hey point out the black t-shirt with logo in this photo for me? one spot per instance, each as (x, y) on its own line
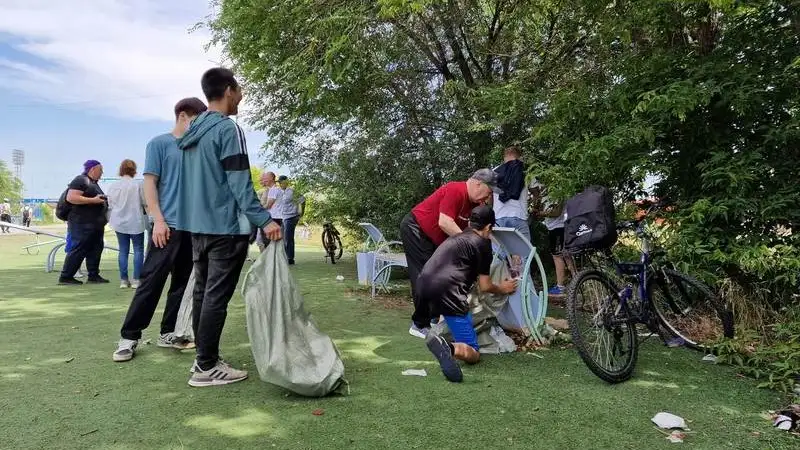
(87, 214)
(449, 275)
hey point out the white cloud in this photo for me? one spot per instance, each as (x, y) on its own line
(129, 59)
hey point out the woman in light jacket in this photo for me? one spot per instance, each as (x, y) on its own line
(126, 216)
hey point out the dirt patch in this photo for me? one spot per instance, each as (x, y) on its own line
(396, 302)
(386, 301)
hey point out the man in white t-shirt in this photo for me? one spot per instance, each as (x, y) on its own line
(290, 208)
(269, 200)
(27, 213)
(5, 214)
(511, 205)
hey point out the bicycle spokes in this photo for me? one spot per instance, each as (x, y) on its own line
(690, 310)
(606, 327)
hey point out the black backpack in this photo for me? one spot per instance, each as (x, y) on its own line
(590, 220)
(63, 207)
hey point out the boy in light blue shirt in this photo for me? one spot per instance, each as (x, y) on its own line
(169, 250)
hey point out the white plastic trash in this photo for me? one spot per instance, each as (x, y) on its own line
(415, 372)
(183, 326)
(504, 343)
(783, 423)
(668, 421)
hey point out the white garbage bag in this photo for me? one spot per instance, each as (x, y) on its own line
(288, 348)
(183, 326)
(504, 343)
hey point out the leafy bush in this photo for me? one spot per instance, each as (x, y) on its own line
(772, 358)
(48, 215)
(382, 102)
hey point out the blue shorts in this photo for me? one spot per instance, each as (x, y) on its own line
(462, 331)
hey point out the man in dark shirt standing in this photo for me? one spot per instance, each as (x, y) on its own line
(86, 224)
(447, 279)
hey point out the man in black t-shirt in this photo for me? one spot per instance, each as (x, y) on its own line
(86, 224)
(445, 283)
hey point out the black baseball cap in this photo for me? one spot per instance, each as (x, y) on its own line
(481, 216)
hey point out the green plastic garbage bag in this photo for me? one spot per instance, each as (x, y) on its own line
(288, 348)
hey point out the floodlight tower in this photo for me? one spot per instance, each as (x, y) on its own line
(18, 159)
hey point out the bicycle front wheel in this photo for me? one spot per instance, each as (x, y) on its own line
(689, 309)
(603, 331)
(325, 239)
(339, 246)
(329, 245)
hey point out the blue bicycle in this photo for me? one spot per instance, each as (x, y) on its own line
(607, 301)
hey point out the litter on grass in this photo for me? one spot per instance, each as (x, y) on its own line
(676, 436)
(339, 278)
(783, 422)
(669, 421)
(710, 358)
(415, 372)
(787, 419)
(558, 324)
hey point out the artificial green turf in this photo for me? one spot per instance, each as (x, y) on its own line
(510, 401)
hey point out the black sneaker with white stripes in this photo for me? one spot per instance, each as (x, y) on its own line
(220, 374)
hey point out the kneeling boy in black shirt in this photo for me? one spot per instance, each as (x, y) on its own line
(447, 279)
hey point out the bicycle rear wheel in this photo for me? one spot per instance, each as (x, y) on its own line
(603, 331)
(689, 309)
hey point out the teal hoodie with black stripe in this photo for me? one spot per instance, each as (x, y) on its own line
(216, 194)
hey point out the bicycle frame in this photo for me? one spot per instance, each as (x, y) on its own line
(639, 304)
(642, 272)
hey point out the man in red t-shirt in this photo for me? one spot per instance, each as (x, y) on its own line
(444, 213)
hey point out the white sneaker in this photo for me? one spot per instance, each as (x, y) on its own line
(218, 375)
(135, 284)
(125, 350)
(124, 284)
(415, 331)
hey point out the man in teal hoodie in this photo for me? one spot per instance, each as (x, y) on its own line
(217, 204)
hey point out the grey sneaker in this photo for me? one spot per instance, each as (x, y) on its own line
(416, 331)
(195, 368)
(218, 375)
(169, 340)
(450, 368)
(125, 350)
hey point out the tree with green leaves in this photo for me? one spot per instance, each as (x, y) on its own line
(10, 186)
(378, 102)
